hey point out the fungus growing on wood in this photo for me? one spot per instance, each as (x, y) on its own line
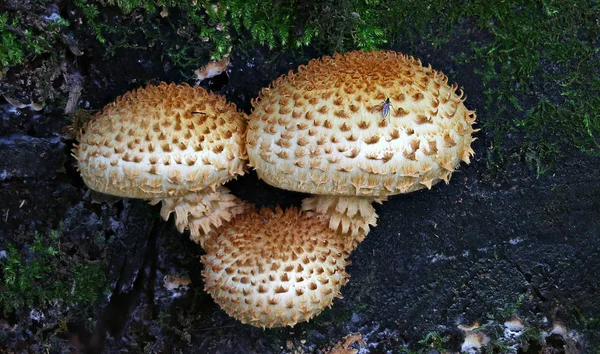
(171, 143)
(356, 128)
(275, 268)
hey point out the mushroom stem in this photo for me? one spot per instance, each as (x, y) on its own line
(351, 216)
(202, 212)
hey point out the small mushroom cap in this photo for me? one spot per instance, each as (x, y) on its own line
(162, 141)
(359, 124)
(275, 268)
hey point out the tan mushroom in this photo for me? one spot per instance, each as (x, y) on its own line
(275, 268)
(356, 128)
(171, 143)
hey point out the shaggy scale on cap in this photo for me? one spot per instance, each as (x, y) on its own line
(202, 213)
(275, 268)
(165, 142)
(364, 125)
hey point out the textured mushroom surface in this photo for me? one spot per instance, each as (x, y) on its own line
(275, 268)
(359, 124)
(356, 128)
(348, 215)
(171, 143)
(162, 141)
(202, 212)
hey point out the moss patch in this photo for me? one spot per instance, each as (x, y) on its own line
(43, 275)
(22, 40)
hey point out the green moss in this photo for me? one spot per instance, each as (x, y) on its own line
(218, 26)
(434, 340)
(24, 36)
(25, 277)
(538, 64)
(11, 51)
(41, 275)
(541, 68)
(91, 13)
(21, 40)
(89, 283)
(530, 336)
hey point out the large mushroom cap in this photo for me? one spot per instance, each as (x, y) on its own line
(359, 124)
(273, 269)
(162, 141)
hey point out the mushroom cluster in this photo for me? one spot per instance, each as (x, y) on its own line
(171, 143)
(350, 129)
(356, 128)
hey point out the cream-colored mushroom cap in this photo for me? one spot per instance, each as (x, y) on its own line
(173, 144)
(275, 268)
(162, 141)
(356, 128)
(329, 130)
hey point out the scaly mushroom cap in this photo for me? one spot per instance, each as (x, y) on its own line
(162, 141)
(274, 269)
(329, 129)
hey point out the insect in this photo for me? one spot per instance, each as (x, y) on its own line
(198, 113)
(385, 107)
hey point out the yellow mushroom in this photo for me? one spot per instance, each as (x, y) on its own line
(171, 143)
(356, 128)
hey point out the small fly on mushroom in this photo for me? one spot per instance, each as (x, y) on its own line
(385, 107)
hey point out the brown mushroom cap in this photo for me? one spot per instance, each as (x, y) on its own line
(275, 268)
(162, 141)
(329, 130)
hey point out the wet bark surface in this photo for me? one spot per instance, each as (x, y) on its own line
(490, 245)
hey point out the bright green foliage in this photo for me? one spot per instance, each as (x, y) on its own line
(40, 276)
(273, 23)
(19, 41)
(11, 52)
